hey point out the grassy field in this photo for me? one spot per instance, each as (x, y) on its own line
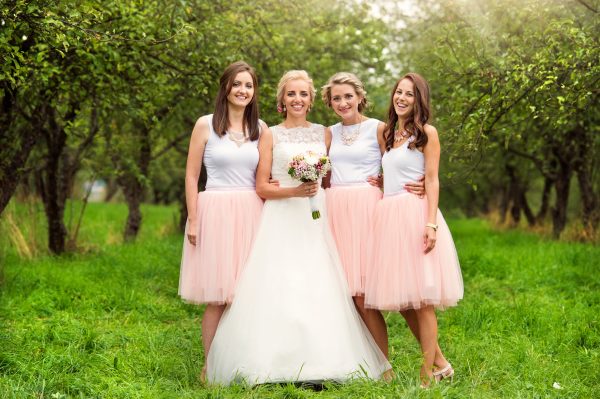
(108, 322)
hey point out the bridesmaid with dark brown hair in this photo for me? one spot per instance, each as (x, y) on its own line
(416, 268)
(222, 220)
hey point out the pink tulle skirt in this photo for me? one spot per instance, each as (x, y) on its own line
(403, 276)
(351, 211)
(227, 222)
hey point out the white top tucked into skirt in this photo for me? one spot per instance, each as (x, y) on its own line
(401, 165)
(355, 162)
(227, 164)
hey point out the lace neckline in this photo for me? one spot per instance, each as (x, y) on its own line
(314, 133)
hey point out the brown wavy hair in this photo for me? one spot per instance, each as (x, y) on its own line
(415, 123)
(220, 119)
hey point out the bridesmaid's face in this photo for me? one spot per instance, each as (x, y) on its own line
(404, 98)
(296, 98)
(242, 90)
(345, 101)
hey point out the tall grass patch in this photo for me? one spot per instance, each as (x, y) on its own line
(108, 322)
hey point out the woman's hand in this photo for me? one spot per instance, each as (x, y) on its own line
(308, 189)
(429, 238)
(416, 187)
(375, 181)
(192, 229)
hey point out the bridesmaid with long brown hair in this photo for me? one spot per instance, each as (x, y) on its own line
(222, 220)
(416, 268)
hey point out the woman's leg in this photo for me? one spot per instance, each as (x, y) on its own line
(210, 321)
(427, 322)
(375, 323)
(410, 316)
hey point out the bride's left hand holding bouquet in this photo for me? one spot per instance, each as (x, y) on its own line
(309, 167)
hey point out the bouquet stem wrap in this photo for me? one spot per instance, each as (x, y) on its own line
(309, 167)
(314, 208)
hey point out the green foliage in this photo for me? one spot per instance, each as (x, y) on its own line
(109, 323)
(514, 86)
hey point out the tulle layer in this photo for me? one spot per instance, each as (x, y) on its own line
(403, 276)
(292, 318)
(227, 223)
(351, 213)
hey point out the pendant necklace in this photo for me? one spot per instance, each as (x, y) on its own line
(350, 138)
(239, 138)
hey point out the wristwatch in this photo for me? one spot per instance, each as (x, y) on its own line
(433, 226)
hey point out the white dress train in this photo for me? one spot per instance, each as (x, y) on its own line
(292, 318)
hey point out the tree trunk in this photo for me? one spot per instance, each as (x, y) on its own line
(132, 184)
(51, 185)
(12, 169)
(133, 191)
(504, 203)
(590, 214)
(526, 208)
(584, 167)
(559, 212)
(112, 187)
(545, 205)
(20, 142)
(513, 194)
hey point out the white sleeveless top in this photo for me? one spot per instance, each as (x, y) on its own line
(352, 164)
(227, 165)
(400, 166)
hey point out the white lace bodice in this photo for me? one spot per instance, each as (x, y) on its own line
(288, 143)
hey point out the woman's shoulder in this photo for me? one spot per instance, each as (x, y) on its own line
(430, 131)
(204, 119)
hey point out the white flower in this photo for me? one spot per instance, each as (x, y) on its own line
(556, 385)
(312, 159)
(24, 37)
(3, 22)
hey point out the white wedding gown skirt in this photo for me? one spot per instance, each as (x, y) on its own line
(292, 317)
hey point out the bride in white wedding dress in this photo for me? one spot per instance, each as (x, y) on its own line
(292, 317)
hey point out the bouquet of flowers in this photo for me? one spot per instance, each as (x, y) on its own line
(307, 167)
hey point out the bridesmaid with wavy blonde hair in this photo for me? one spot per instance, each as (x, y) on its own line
(355, 145)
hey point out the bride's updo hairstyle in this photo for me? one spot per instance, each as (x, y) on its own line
(288, 77)
(345, 78)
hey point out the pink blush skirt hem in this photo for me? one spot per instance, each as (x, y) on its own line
(403, 276)
(227, 223)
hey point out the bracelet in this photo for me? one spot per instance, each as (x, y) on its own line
(433, 226)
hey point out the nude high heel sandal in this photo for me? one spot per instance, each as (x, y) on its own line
(444, 373)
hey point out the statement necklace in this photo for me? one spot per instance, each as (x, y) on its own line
(398, 137)
(239, 138)
(350, 138)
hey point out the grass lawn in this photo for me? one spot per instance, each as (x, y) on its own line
(108, 322)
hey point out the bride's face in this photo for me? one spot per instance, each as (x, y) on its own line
(296, 98)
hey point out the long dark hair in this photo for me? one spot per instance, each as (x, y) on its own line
(220, 119)
(415, 123)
